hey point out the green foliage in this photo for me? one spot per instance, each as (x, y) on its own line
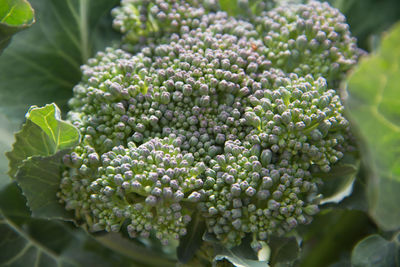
(15, 15)
(367, 24)
(26, 240)
(191, 242)
(373, 105)
(35, 160)
(374, 250)
(43, 134)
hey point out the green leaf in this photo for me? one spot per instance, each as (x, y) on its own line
(35, 161)
(144, 256)
(374, 107)
(42, 64)
(46, 243)
(39, 178)
(284, 251)
(375, 251)
(15, 15)
(7, 130)
(43, 134)
(230, 6)
(365, 23)
(338, 183)
(62, 134)
(191, 242)
(332, 234)
(238, 260)
(240, 256)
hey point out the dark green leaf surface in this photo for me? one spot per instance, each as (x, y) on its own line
(39, 179)
(191, 242)
(15, 15)
(284, 251)
(43, 134)
(338, 183)
(375, 251)
(42, 64)
(368, 18)
(144, 256)
(331, 234)
(374, 106)
(36, 242)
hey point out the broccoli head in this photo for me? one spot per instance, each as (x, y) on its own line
(219, 116)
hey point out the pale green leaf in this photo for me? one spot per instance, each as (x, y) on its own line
(7, 130)
(15, 15)
(43, 134)
(62, 134)
(240, 256)
(374, 107)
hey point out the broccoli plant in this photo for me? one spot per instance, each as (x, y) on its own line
(203, 133)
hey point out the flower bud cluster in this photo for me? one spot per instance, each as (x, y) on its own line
(219, 115)
(143, 186)
(311, 38)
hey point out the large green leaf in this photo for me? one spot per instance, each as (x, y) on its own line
(15, 15)
(331, 234)
(39, 179)
(374, 106)
(42, 64)
(44, 243)
(191, 242)
(284, 251)
(43, 134)
(35, 160)
(146, 256)
(375, 251)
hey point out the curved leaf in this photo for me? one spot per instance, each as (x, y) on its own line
(338, 183)
(374, 106)
(240, 256)
(43, 134)
(15, 15)
(375, 251)
(39, 179)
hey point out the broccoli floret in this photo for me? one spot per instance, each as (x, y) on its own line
(218, 116)
(249, 192)
(309, 38)
(144, 21)
(143, 186)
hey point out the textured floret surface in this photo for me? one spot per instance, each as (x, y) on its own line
(211, 118)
